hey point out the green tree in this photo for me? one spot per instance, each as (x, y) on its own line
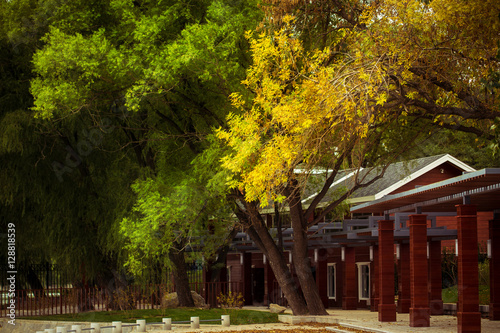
(161, 73)
(57, 179)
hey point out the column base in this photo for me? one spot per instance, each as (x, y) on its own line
(374, 304)
(436, 306)
(404, 305)
(349, 303)
(469, 322)
(387, 312)
(420, 317)
(494, 311)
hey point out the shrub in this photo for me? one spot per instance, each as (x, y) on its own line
(449, 268)
(230, 300)
(123, 299)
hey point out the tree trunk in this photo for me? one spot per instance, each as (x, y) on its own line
(33, 280)
(279, 225)
(301, 258)
(216, 267)
(281, 271)
(259, 233)
(181, 279)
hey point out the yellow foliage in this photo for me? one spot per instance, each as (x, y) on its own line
(310, 106)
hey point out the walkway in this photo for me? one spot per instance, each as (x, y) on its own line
(369, 320)
(359, 318)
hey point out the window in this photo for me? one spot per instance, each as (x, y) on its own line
(363, 280)
(331, 289)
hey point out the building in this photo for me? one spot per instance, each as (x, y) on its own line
(406, 217)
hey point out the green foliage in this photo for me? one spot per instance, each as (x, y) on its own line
(450, 295)
(71, 149)
(73, 69)
(143, 56)
(468, 148)
(484, 273)
(449, 271)
(449, 267)
(172, 209)
(484, 294)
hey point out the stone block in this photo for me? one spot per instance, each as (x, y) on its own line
(275, 308)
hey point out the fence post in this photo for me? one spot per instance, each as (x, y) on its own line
(61, 298)
(195, 322)
(96, 327)
(167, 324)
(61, 329)
(225, 320)
(117, 327)
(77, 328)
(141, 325)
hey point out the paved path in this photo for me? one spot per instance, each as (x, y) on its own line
(360, 318)
(439, 324)
(368, 319)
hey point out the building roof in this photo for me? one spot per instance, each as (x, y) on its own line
(396, 176)
(481, 188)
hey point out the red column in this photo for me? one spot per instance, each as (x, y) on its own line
(386, 306)
(468, 315)
(404, 292)
(374, 297)
(322, 275)
(495, 269)
(270, 284)
(350, 299)
(247, 278)
(419, 309)
(206, 278)
(435, 278)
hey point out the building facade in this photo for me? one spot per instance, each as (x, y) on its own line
(399, 227)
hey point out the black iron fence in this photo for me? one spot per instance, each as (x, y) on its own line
(40, 302)
(40, 276)
(45, 290)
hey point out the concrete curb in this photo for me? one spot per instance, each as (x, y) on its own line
(294, 320)
(368, 329)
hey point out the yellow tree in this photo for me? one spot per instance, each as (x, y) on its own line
(441, 56)
(305, 115)
(385, 67)
(441, 59)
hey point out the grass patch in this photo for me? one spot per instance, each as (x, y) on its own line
(450, 295)
(238, 317)
(484, 294)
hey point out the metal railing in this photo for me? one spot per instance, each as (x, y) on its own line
(139, 326)
(76, 300)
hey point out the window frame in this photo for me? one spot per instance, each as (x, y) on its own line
(328, 283)
(360, 281)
